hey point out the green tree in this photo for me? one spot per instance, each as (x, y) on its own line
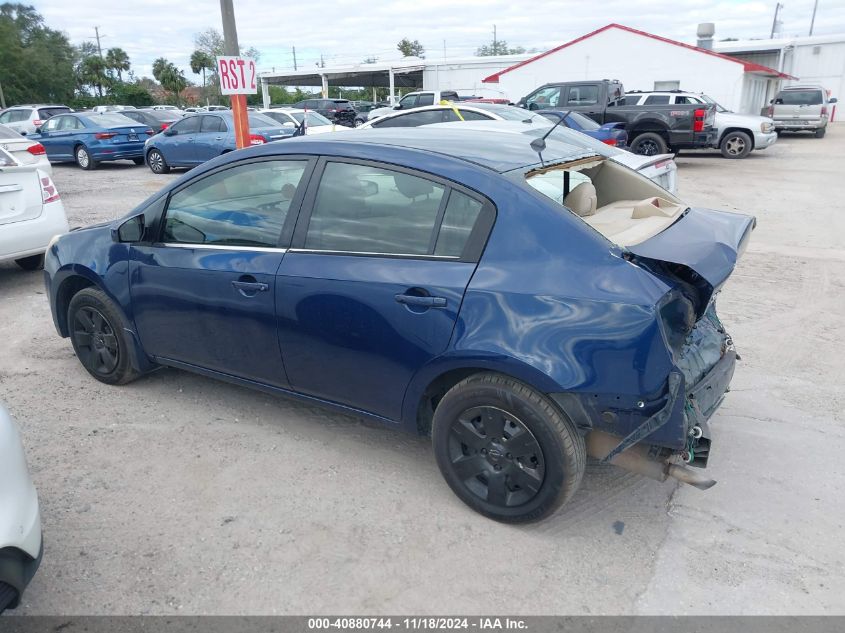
(134, 94)
(171, 78)
(201, 61)
(211, 42)
(410, 49)
(498, 47)
(117, 61)
(92, 72)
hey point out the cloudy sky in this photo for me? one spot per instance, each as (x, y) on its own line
(348, 31)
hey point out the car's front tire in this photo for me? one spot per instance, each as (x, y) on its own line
(505, 449)
(735, 145)
(155, 159)
(98, 335)
(83, 158)
(33, 262)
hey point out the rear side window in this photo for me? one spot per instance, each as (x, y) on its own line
(413, 119)
(46, 113)
(800, 97)
(425, 100)
(19, 115)
(244, 205)
(458, 221)
(582, 95)
(212, 124)
(657, 100)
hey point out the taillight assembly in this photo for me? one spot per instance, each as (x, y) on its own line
(49, 193)
(38, 122)
(698, 123)
(771, 111)
(36, 150)
(102, 136)
(610, 141)
(824, 110)
(255, 139)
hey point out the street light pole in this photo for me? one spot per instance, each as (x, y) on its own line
(778, 7)
(230, 47)
(813, 19)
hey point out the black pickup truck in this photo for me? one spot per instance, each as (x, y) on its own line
(652, 129)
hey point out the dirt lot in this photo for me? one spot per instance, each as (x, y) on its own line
(178, 494)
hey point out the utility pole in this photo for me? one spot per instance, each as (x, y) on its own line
(97, 32)
(294, 58)
(495, 46)
(444, 50)
(778, 7)
(322, 61)
(2, 98)
(231, 47)
(813, 20)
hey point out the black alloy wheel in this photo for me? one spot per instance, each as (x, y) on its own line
(96, 342)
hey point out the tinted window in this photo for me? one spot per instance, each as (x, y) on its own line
(242, 206)
(544, 98)
(461, 215)
(409, 102)
(450, 115)
(212, 124)
(630, 100)
(5, 117)
(362, 209)
(46, 113)
(425, 100)
(135, 116)
(657, 100)
(19, 115)
(412, 119)
(681, 99)
(187, 126)
(800, 97)
(69, 123)
(582, 95)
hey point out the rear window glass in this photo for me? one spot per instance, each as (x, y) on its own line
(261, 120)
(46, 113)
(657, 100)
(583, 122)
(800, 97)
(111, 119)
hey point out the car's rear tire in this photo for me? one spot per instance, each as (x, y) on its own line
(83, 158)
(735, 144)
(820, 132)
(505, 449)
(33, 262)
(138, 161)
(98, 335)
(649, 144)
(155, 159)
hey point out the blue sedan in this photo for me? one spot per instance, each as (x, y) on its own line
(612, 134)
(200, 137)
(89, 138)
(512, 293)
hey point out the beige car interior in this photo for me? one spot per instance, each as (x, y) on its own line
(624, 206)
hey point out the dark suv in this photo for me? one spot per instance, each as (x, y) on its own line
(338, 111)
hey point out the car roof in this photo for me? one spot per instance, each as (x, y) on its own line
(501, 146)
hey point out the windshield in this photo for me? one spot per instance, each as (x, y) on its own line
(261, 120)
(583, 122)
(314, 118)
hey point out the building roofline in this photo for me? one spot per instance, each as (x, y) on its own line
(747, 66)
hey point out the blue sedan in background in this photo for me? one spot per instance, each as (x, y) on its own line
(612, 134)
(200, 137)
(513, 293)
(90, 138)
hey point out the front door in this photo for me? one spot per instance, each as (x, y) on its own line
(211, 139)
(178, 146)
(203, 291)
(372, 288)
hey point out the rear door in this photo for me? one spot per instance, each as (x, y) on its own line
(56, 137)
(203, 287)
(371, 289)
(584, 98)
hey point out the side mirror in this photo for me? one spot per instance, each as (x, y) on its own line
(771, 101)
(832, 100)
(130, 231)
(170, 132)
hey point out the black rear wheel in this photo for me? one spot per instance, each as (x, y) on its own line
(649, 144)
(505, 449)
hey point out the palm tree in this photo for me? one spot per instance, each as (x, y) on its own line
(171, 78)
(200, 62)
(92, 72)
(117, 60)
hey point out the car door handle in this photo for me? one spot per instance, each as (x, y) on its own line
(218, 138)
(427, 302)
(250, 288)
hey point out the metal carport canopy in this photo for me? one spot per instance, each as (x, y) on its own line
(364, 75)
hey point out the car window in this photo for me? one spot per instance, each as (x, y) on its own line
(409, 101)
(245, 205)
(412, 119)
(426, 99)
(5, 117)
(46, 113)
(135, 116)
(470, 115)
(52, 124)
(458, 221)
(363, 209)
(547, 97)
(582, 121)
(657, 100)
(684, 100)
(187, 126)
(582, 95)
(630, 100)
(212, 124)
(799, 97)
(20, 115)
(69, 123)
(314, 118)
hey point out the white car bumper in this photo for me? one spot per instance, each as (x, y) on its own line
(763, 140)
(30, 237)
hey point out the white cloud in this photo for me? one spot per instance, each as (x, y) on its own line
(347, 31)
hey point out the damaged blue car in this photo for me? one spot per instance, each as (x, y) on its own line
(505, 289)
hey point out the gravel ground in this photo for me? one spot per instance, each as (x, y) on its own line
(179, 494)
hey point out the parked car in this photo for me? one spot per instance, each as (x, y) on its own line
(194, 110)
(362, 111)
(20, 521)
(315, 123)
(28, 119)
(415, 100)
(797, 108)
(158, 120)
(736, 134)
(426, 279)
(102, 109)
(338, 111)
(31, 213)
(652, 129)
(90, 139)
(171, 108)
(661, 167)
(198, 138)
(25, 150)
(612, 134)
(215, 108)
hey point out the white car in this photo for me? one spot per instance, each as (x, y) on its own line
(31, 213)
(101, 109)
(413, 100)
(20, 518)
(24, 150)
(316, 123)
(28, 119)
(660, 168)
(736, 134)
